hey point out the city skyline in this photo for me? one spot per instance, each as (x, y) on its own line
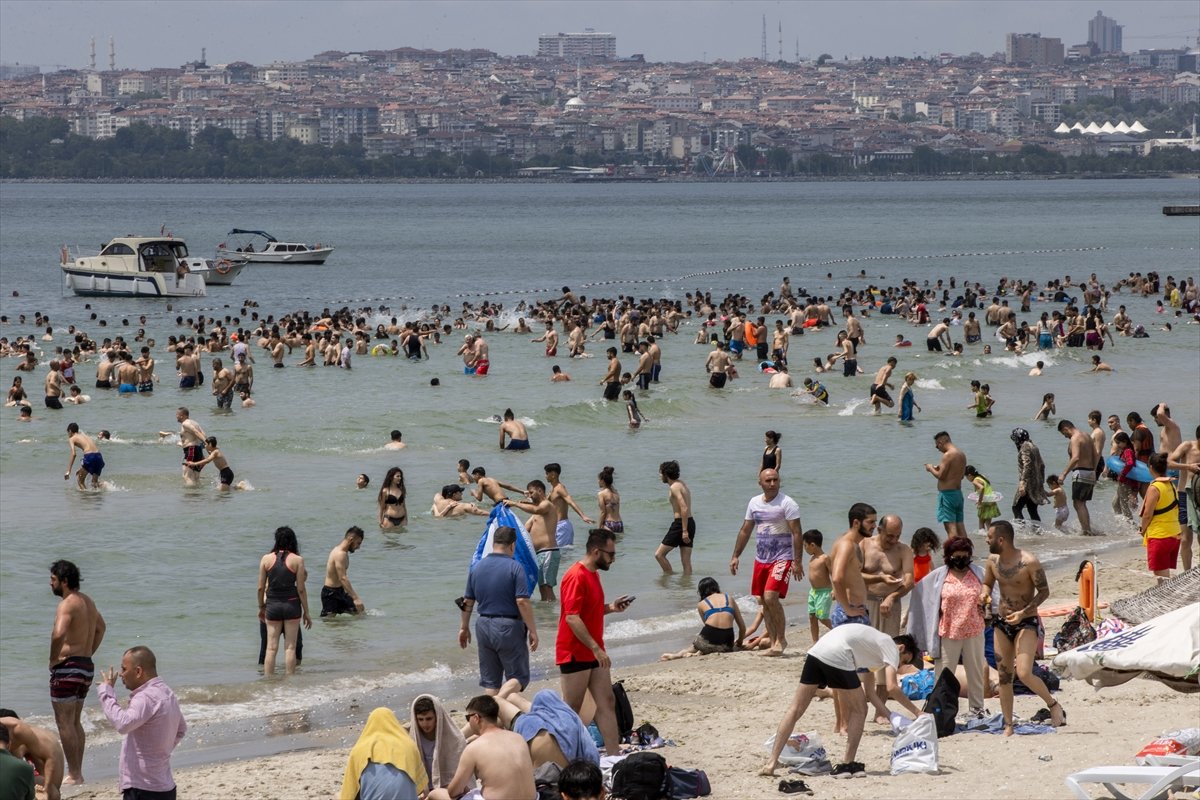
(56, 35)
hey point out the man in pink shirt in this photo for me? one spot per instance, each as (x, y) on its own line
(152, 725)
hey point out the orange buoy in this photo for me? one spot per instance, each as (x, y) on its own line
(1087, 589)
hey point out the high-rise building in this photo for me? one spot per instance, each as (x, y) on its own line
(1104, 33)
(574, 46)
(1033, 48)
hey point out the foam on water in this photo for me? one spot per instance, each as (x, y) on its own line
(848, 409)
(930, 384)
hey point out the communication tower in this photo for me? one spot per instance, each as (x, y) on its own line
(781, 41)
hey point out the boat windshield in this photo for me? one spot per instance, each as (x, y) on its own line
(117, 249)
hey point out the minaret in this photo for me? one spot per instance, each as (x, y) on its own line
(112, 55)
(93, 58)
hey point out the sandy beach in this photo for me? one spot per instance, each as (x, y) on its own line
(721, 709)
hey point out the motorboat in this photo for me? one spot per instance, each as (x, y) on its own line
(217, 271)
(133, 266)
(270, 250)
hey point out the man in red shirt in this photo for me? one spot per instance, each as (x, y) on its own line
(579, 649)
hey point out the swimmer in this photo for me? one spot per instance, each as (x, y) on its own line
(93, 462)
(395, 443)
(247, 400)
(77, 396)
(557, 375)
(1037, 369)
(1099, 366)
(817, 390)
(449, 503)
(362, 481)
(632, 411)
(514, 431)
(901, 341)
(218, 460)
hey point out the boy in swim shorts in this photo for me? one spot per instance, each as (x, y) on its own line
(820, 596)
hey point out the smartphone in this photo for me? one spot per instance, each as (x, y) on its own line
(630, 598)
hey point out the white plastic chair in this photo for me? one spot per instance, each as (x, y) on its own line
(1160, 779)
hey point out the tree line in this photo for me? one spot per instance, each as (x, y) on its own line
(44, 148)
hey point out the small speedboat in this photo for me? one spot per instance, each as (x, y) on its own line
(217, 271)
(270, 250)
(133, 266)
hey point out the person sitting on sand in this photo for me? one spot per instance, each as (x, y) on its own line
(498, 758)
(719, 614)
(440, 741)
(554, 732)
(384, 762)
(449, 503)
(39, 747)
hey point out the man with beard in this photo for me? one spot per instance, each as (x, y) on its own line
(77, 633)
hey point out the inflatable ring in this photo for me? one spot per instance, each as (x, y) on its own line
(380, 350)
(224, 266)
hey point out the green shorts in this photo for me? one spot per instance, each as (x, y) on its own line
(820, 601)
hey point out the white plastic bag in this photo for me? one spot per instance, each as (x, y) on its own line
(801, 749)
(915, 749)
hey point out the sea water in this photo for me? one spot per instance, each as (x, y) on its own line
(174, 568)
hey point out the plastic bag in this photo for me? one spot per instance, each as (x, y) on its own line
(1184, 742)
(915, 749)
(801, 749)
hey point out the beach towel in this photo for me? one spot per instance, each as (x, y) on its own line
(383, 741)
(448, 746)
(995, 724)
(501, 516)
(548, 712)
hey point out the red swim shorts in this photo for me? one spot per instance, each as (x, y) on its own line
(771, 578)
(1162, 553)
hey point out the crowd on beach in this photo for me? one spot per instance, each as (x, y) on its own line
(865, 642)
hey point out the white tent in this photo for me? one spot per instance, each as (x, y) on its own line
(1078, 126)
(1092, 128)
(1122, 127)
(1062, 128)
(1166, 648)
(1137, 127)
(1107, 127)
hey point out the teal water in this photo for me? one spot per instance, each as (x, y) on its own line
(175, 568)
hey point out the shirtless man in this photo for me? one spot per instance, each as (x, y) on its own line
(850, 593)
(888, 572)
(564, 532)
(550, 337)
(541, 526)
(310, 351)
(645, 366)
(395, 441)
(104, 370)
(1023, 588)
(612, 376)
(482, 364)
(655, 358)
(222, 384)
(683, 527)
(449, 503)
(54, 386)
(879, 390)
(854, 329)
(514, 430)
(337, 595)
(188, 365)
(216, 458)
(92, 462)
(76, 636)
(128, 374)
(499, 759)
(491, 487)
(717, 366)
(1186, 459)
(949, 473)
(191, 439)
(1097, 436)
(38, 746)
(937, 335)
(1082, 461)
(1169, 435)
(243, 374)
(145, 366)
(278, 349)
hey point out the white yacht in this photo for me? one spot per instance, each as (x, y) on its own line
(133, 266)
(272, 251)
(218, 271)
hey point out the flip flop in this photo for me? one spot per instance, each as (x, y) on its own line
(794, 787)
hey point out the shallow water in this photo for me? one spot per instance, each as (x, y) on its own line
(174, 567)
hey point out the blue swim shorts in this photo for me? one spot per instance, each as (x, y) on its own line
(950, 505)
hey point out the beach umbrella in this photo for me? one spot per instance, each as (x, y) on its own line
(1166, 648)
(502, 515)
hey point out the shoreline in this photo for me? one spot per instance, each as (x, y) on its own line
(740, 692)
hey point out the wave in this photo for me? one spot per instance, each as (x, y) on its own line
(930, 384)
(848, 410)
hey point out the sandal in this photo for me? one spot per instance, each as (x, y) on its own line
(794, 787)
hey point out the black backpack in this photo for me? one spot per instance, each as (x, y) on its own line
(640, 776)
(943, 703)
(624, 712)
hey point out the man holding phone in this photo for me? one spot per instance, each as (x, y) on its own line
(579, 649)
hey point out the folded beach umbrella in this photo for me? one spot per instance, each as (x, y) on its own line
(501, 516)
(1166, 648)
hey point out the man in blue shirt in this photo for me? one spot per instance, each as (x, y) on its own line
(498, 586)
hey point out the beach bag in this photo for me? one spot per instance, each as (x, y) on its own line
(1076, 631)
(684, 784)
(624, 711)
(640, 776)
(943, 703)
(915, 749)
(545, 779)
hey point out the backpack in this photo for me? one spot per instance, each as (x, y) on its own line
(640, 776)
(943, 703)
(624, 712)
(684, 784)
(1076, 631)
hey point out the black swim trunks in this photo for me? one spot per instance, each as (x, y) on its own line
(817, 673)
(53, 402)
(881, 392)
(573, 666)
(336, 600)
(612, 390)
(933, 344)
(193, 452)
(226, 477)
(103, 384)
(717, 380)
(674, 537)
(1010, 631)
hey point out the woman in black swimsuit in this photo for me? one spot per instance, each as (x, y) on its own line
(282, 598)
(719, 615)
(392, 511)
(772, 457)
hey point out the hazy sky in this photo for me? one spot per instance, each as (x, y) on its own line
(152, 34)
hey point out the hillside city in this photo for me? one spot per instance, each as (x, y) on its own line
(577, 102)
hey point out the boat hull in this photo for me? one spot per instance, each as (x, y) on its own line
(309, 257)
(86, 283)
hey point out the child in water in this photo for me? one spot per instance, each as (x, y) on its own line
(986, 507)
(631, 408)
(1047, 407)
(1061, 510)
(907, 399)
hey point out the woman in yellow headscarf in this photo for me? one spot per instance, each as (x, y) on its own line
(384, 763)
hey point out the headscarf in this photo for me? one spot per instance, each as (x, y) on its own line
(383, 741)
(1019, 436)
